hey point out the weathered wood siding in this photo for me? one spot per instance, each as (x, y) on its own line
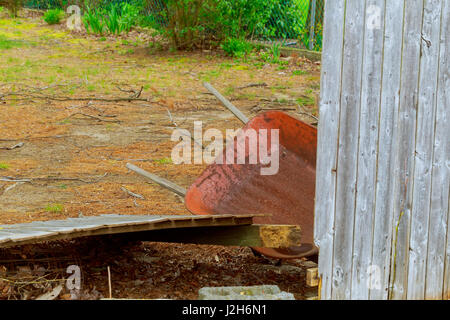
(383, 168)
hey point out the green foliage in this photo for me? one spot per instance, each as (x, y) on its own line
(53, 16)
(114, 18)
(236, 47)
(275, 51)
(13, 6)
(93, 21)
(198, 23)
(129, 17)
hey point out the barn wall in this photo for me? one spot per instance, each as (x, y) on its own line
(383, 168)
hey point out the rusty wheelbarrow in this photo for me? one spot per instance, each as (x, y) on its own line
(287, 197)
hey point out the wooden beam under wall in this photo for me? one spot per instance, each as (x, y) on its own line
(268, 236)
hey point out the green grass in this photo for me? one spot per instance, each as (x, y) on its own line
(299, 72)
(55, 207)
(4, 166)
(307, 100)
(163, 161)
(6, 43)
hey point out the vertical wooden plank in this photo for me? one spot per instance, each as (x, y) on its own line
(348, 148)
(327, 139)
(438, 247)
(446, 294)
(381, 247)
(367, 148)
(429, 61)
(405, 147)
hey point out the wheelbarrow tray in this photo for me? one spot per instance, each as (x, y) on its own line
(287, 196)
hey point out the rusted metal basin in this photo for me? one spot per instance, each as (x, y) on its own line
(288, 195)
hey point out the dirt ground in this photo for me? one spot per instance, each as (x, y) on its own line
(75, 108)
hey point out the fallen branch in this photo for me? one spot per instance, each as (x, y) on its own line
(19, 145)
(92, 117)
(252, 85)
(136, 195)
(12, 179)
(28, 96)
(307, 113)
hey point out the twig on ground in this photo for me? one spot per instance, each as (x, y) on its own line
(171, 119)
(252, 85)
(21, 96)
(136, 195)
(93, 117)
(135, 93)
(306, 113)
(19, 145)
(30, 180)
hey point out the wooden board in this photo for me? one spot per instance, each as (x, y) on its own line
(328, 138)
(267, 236)
(38, 231)
(382, 195)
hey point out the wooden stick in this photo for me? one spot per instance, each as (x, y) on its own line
(161, 181)
(226, 103)
(109, 283)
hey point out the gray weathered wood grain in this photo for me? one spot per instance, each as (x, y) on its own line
(406, 122)
(367, 151)
(390, 88)
(423, 155)
(437, 286)
(383, 171)
(327, 139)
(348, 147)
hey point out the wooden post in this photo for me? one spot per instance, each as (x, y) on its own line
(382, 190)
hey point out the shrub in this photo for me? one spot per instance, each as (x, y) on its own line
(196, 23)
(129, 16)
(13, 6)
(236, 47)
(53, 16)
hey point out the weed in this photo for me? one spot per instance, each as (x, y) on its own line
(275, 51)
(4, 166)
(307, 100)
(163, 160)
(229, 90)
(299, 72)
(56, 207)
(236, 47)
(93, 20)
(53, 16)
